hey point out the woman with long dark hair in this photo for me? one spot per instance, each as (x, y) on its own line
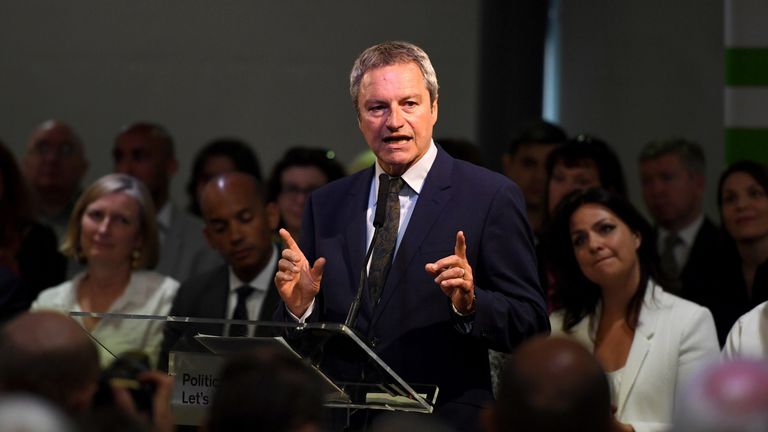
(648, 341)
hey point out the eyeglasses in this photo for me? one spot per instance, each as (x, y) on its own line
(293, 191)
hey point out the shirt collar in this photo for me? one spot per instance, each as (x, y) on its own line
(687, 234)
(262, 280)
(415, 176)
(164, 216)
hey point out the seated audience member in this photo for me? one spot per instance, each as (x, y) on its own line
(218, 157)
(29, 259)
(146, 151)
(462, 149)
(268, 390)
(23, 413)
(725, 397)
(54, 166)
(552, 385)
(743, 200)
(294, 177)
(47, 354)
(525, 163)
(672, 177)
(112, 232)
(648, 341)
(239, 225)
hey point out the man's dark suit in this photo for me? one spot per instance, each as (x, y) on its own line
(413, 328)
(701, 280)
(206, 296)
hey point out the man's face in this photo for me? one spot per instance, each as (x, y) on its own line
(395, 115)
(54, 161)
(238, 225)
(528, 168)
(147, 158)
(672, 193)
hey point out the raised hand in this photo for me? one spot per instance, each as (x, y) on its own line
(454, 276)
(296, 281)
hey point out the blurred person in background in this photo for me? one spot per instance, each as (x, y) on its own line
(54, 165)
(29, 259)
(525, 163)
(300, 171)
(218, 157)
(743, 201)
(146, 152)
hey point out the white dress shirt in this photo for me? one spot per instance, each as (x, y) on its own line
(260, 283)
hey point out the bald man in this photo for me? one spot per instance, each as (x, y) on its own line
(54, 166)
(48, 354)
(552, 384)
(239, 226)
(146, 151)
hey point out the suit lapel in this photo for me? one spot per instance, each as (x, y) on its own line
(355, 234)
(638, 352)
(434, 195)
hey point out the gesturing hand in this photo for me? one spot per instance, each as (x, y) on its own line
(296, 281)
(454, 276)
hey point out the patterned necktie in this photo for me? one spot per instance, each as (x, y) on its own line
(241, 311)
(381, 260)
(669, 263)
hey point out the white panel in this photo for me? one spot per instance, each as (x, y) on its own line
(746, 107)
(746, 23)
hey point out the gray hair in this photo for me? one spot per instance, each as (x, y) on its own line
(690, 153)
(391, 53)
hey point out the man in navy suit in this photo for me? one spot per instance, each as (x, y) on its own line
(239, 225)
(463, 274)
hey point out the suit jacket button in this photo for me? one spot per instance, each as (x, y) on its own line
(375, 341)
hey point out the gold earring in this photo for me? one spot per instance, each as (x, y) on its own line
(135, 257)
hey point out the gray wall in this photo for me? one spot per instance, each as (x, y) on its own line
(271, 72)
(632, 71)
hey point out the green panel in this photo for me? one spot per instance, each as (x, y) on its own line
(746, 144)
(746, 66)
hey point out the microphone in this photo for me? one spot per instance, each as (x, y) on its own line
(378, 221)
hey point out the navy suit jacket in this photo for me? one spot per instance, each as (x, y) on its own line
(413, 328)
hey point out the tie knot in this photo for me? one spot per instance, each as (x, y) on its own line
(244, 291)
(395, 184)
(672, 240)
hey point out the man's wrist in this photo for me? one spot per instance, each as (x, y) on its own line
(470, 310)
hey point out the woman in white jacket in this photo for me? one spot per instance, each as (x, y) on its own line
(608, 298)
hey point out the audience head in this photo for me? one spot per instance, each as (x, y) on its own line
(672, 176)
(394, 89)
(525, 161)
(295, 176)
(400, 421)
(742, 196)
(462, 149)
(581, 163)
(146, 151)
(551, 384)
(24, 413)
(119, 209)
(725, 397)
(238, 223)
(218, 157)
(599, 238)
(49, 355)
(270, 388)
(15, 206)
(54, 163)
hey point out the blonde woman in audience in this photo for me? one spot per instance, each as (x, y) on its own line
(647, 341)
(743, 201)
(112, 231)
